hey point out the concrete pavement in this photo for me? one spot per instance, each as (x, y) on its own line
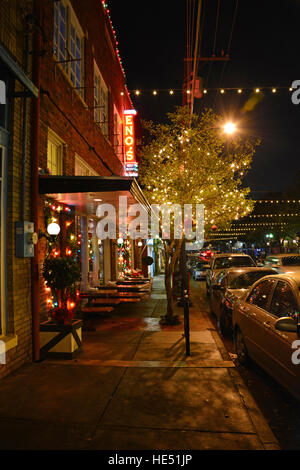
(132, 387)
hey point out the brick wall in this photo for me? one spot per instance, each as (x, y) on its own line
(12, 35)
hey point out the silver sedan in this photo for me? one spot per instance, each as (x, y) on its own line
(267, 328)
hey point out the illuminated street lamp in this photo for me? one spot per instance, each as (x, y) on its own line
(229, 128)
(53, 229)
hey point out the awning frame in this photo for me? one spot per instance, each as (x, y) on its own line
(12, 65)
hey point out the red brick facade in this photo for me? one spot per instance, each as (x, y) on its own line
(70, 115)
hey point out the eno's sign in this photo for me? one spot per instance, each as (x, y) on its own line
(129, 137)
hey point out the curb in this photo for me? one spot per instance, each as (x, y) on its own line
(260, 424)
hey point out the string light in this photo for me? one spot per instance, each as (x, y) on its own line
(278, 201)
(271, 89)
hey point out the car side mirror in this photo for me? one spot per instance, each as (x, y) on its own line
(287, 324)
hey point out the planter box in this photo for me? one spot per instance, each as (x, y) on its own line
(60, 341)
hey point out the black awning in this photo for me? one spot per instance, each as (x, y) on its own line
(81, 190)
(84, 184)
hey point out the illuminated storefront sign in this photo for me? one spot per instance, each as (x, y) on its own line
(131, 166)
(131, 169)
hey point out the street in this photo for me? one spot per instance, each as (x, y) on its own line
(279, 408)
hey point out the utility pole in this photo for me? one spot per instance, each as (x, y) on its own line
(195, 55)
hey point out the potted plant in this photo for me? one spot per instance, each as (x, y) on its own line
(61, 335)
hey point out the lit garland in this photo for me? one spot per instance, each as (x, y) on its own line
(273, 215)
(124, 258)
(254, 224)
(222, 91)
(52, 213)
(106, 10)
(261, 201)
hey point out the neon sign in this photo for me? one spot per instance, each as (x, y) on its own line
(129, 137)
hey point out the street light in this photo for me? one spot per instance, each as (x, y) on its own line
(229, 128)
(53, 229)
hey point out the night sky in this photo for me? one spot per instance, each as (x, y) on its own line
(263, 52)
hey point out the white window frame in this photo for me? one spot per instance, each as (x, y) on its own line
(71, 50)
(54, 140)
(100, 101)
(82, 168)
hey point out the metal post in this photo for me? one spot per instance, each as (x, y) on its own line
(185, 296)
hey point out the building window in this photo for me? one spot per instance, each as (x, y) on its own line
(68, 43)
(100, 101)
(82, 168)
(118, 134)
(55, 151)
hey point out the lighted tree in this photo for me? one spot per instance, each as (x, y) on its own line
(190, 160)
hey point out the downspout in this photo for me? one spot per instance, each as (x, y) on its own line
(24, 135)
(37, 45)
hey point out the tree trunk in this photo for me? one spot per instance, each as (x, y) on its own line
(171, 258)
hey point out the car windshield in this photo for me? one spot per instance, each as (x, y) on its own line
(291, 261)
(246, 280)
(233, 262)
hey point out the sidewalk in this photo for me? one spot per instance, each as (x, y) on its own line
(133, 388)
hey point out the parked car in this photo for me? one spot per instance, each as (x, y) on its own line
(225, 261)
(266, 324)
(199, 270)
(229, 285)
(285, 263)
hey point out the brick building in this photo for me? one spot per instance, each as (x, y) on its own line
(16, 25)
(62, 123)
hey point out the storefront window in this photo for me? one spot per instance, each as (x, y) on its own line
(95, 253)
(90, 252)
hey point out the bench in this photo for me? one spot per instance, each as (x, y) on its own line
(94, 309)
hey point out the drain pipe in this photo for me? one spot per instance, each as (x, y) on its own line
(35, 287)
(24, 135)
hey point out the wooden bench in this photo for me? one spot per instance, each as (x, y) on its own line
(94, 309)
(104, 302)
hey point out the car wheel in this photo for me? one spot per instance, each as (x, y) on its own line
(223, 324)
(240, 347)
